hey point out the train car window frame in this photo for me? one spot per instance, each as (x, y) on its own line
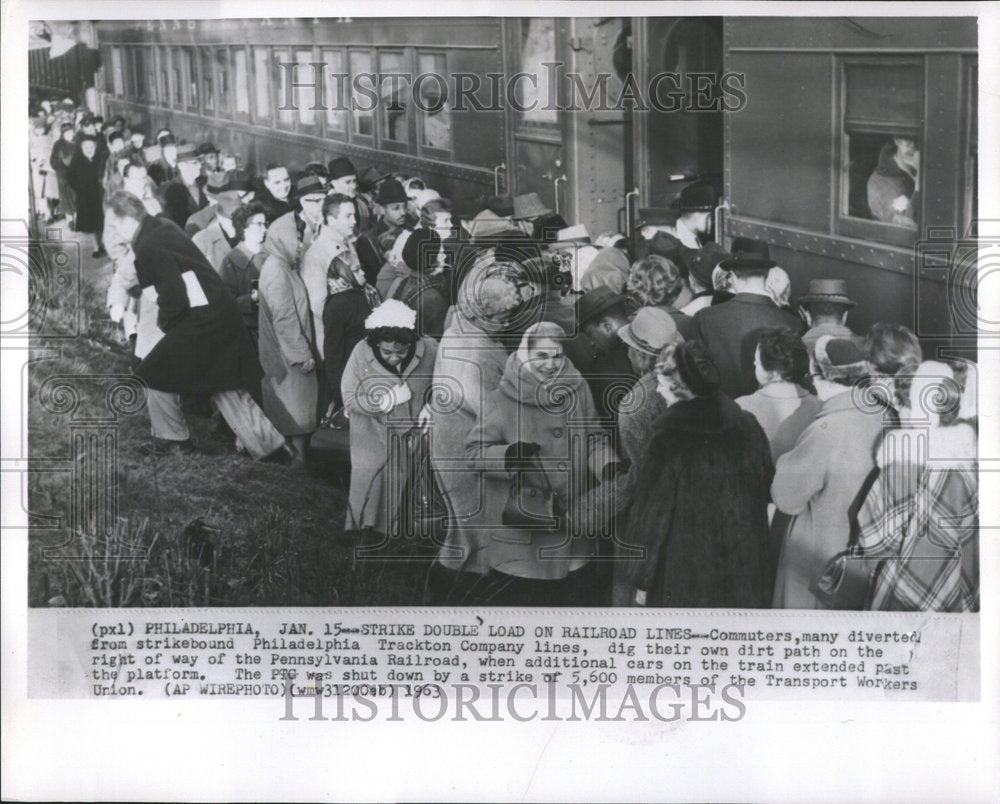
(207, 82)
(117, 72)
(333, 59)
(387, 107)
(551, 129)
(306, 117)
(284, 119)
(163, 75)
(151, 69)
(843, 222)
(178, 96)
(260, 62)
(421, 117)
(192, 81)
(242, 115)
(357, 137)
(223, 81)
(140, 87)
(970, 143)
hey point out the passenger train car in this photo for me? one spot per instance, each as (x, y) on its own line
(789, 117)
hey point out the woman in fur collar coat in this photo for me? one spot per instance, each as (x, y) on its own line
(701, 500)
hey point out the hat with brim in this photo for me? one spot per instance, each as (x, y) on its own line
(391, 192)
(832, 291)
(748, 255)
(529, 205)
(656, 216)
(229, 202)
(310, 185)
(501, 205)
(650, 330)
(239, 181)
(572, 236)
(340, 167)
(369, 178)
(218, 182)
(187, 152)
(596, 302)
(486, 224)
(207, 148)
(699, 196)
(701, 263)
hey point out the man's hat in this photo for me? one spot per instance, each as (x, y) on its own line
(207, 148)
(239, 181)
(115, 135)
(650, 330)
(656, 216)
(166, 140)
(828, 290)
(529, 205)
(187, 152)
(310, 185)
(572, 235)
(486, 224)
(218, 182)
(391, 192)
(316, 169)
(699, 196)
(748, 255)
(420, 251)
(501, 205)
(229, 202)
(369, 178)
(595, 302)
(340, 167)
(702, 262)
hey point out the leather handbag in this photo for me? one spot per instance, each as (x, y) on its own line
(532, 508)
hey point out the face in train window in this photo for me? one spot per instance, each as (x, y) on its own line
(435, 111)
(882, 124)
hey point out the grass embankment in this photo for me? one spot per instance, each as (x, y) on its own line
(271, 536)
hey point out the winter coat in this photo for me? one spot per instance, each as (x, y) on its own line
(274, 208)
(363, 386)
(285, 340)
(558, 415)
(370, 251)
(62, 156)
(214, 244)
(816, 482)
(179, 203)
(205, 347)
(887, 182)
(609, 373)
(470, 364)
(730, 331)
(200, 220)
(609, 268)
(784, 410)
(344, 317)
(161, 172)
(84, 176)
(315, 269)
(293, 235)
(700, 508)
(426, 295)
(239, 270)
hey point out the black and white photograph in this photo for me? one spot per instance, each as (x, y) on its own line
(379, 353)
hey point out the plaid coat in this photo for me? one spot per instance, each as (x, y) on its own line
(922, 517)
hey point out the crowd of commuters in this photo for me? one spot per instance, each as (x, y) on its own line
(654, 399)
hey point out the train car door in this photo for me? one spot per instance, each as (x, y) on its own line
(535, 159)
(672, 148)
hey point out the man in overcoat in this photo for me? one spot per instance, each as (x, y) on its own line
(205, 348)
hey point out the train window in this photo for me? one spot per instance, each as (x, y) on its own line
(536, 45)
(286, 116)
(881, 129)
(207, 90)
(163, 55)
(971, 199)
(150, 70)
(305, 97)
(262, 84)
(176, 72)
(361, 116)
(222, 77)
(393, 103)
(435, 122)
(336, 115)
(240, 82)
(191, 78)
(117, 77)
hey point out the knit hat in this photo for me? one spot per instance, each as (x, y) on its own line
(420, 250)
(392, 313)
(840, 359)
(696, 368)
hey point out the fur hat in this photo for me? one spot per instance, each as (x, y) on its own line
(393, 314)
(697, 369)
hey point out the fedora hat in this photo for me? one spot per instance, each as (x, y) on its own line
(310, 185)
(748, 255)
(369, 178)
(501, 205)
(529, 205)
(340, 167)
(699, 196)
(187, 152)
(207, 148)
(486, 224)
(650, 330)
(391, 192)
(217, 182)
(702, 262)
(239, 181)
(594, 302)
(572, 235)
(828, 290)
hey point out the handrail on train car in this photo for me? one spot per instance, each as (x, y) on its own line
(628, 210)
(496, 177)
(555, 190)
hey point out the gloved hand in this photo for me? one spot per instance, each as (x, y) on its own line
(307, 366)
(396, 396)
(519, 455)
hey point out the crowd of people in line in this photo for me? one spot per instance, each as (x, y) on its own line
(621, 421)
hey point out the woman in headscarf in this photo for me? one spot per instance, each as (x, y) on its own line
(384, 386)
(537, 432)
(240, 268)
(288, 354)
(470, 362)
(700, 501)
(350, 300)
(84, 175)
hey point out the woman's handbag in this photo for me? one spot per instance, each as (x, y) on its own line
(423, 512)
(532, 508)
